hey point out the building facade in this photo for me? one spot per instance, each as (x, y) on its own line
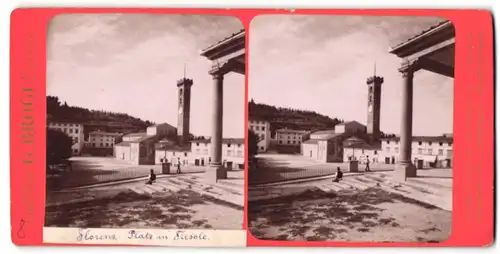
(263, 131)
(198, 154)
(139, 148)
(101, 139)
(289, 137)
(74, 131)
(431, 151)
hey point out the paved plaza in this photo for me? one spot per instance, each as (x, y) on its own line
(173, 201)
(284, 167)
(364, 206)
(94, 170)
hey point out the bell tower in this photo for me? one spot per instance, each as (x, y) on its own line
(184, 102)
(374, 93)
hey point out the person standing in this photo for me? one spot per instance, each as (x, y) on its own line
(178, 165)
(367, 169)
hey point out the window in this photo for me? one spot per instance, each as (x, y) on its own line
(420, 151)
(262, 148)
(173, 153)
(430, 143)
(205, 151)
(293, 142)
(396, 149)
(440, 152)
(263, 128)
(440, 143)
(239, 153)
(239, 145)
(93, 139)
(185, 154)
(197, 151)
(450, 143)
(280, 142)
(197, 144)
(288, 141)
(375, 152)
(262, 137)
(388, 142)
(429, 151)
(228, 145)
(70, 130)
(76, 130)
(388, 149)
(420, 143)
(229, 153)
(107, 144)
(449, 153)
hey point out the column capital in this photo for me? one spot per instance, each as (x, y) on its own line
(408, 67)
(219, 70)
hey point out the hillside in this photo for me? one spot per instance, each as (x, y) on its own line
(94, 119)
(280, 117)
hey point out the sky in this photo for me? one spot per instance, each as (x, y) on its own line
(130, 63)
(321, 63)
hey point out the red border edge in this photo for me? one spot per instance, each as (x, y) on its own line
(473, 192)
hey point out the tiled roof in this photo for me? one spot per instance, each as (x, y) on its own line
(324, 132)
(224, 141)
(423, 32)
(174, 148)
(292, 131)
(311, 141)
(225, 39)
(144, 138)
(124, 143)
(138, 134)
(426, 138)
(105, 133)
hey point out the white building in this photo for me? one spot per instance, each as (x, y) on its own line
(198, 154)
(263, 131)
(101, 139)
(139, 148)
(74, 131)
(428, 149)
(290, 137)
(327, 145)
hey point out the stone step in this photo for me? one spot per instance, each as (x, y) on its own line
(167, 185)
(345, 185)
(138, 190)
(423, 182)
(180, 184)
(354, 183)
(149, 189)
(332, 187)
(374, 178)
(324, 188)
(157, 187)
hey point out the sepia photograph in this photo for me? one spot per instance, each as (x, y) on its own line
(145, 121)
(350, 128)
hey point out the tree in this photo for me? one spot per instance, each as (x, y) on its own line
(253, 148)
(58, 146)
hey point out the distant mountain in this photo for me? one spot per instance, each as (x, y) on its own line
(94, 119)
(290, 118)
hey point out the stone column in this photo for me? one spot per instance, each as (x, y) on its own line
(405, 168)
(214, 171)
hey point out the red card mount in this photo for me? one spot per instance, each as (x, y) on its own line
(473, 120)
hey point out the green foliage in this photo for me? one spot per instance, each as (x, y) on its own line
(253, 140)
(94, 119)
(58, 146)
(290, 118)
